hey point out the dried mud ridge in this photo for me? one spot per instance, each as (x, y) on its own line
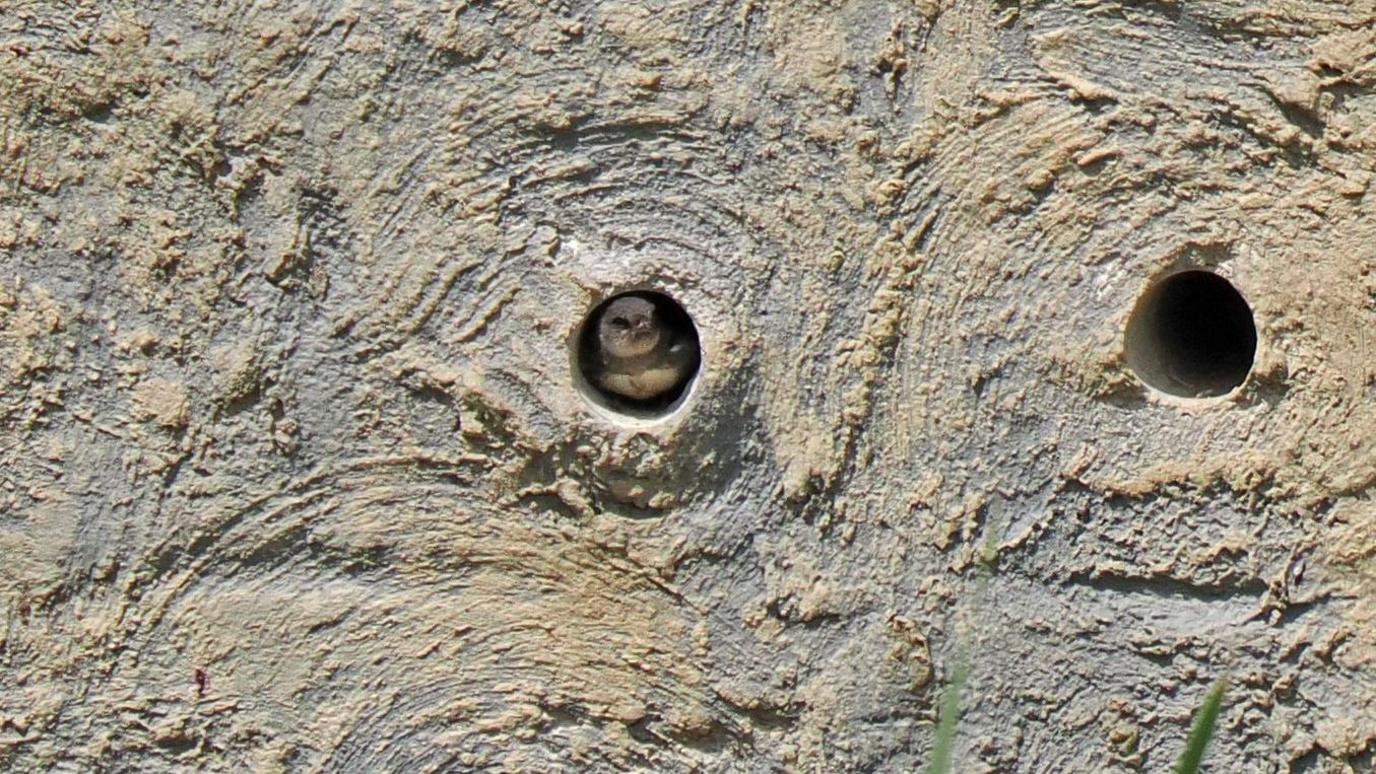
(295, 472)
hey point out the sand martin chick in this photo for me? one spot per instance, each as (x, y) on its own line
(640, 354)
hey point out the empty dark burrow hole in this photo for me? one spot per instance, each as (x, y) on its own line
(1192, 335)
(637, 355)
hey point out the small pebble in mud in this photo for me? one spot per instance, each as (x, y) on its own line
(640, 350)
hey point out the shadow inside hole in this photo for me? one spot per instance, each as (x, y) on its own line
(1192, 335)
(675, 323)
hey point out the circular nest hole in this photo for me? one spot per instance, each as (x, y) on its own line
(637, 355)
(1192, 335)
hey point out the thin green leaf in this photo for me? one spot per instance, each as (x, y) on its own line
(1204, 721)
(943, 748)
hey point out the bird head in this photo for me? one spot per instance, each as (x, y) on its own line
(629, 327)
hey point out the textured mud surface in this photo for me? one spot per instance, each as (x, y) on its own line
(296, 473)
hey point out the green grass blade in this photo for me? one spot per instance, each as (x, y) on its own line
(944, 744)
(943, 748)
(1203, 731)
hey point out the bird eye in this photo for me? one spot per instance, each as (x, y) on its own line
(621, 322)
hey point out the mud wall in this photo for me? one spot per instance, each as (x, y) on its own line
(297, 473)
